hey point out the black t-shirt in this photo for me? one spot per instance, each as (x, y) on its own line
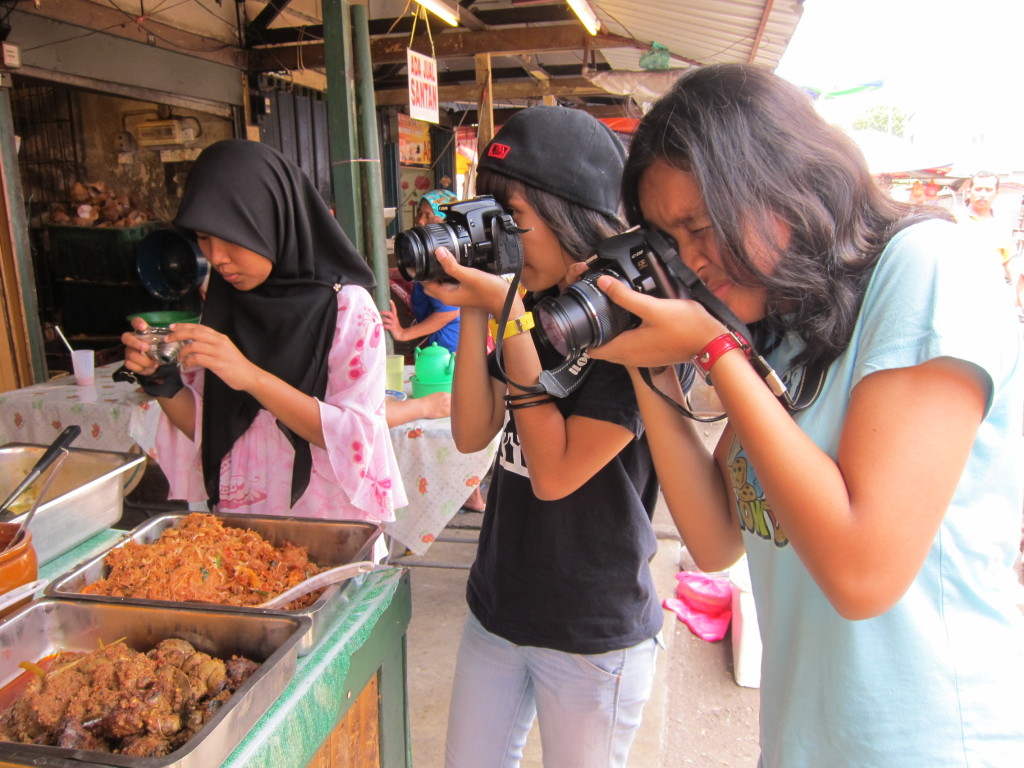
(572, 574)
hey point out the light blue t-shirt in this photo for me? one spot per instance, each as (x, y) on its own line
(938, 680)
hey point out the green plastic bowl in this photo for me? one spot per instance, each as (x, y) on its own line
(162, 319)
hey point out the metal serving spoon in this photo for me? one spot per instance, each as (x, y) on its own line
(322, 579)
(63, 440)
(38, 500)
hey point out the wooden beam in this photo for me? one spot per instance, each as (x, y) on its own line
(448, 45)
(255, 29)
(622, 109)
(527, 89)
(533, 68)
(501, 116)
(469, 19)
(485, 102)
(500, 42)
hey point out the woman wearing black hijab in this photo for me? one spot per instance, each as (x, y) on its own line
(280, 406)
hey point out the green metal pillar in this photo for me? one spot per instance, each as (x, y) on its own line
(341, 121)
(19, 235)
(374, 218)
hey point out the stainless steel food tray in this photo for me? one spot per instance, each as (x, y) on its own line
(329, 543)
(87, 495)
(46, 626)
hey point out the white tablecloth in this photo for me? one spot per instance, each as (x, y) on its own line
(437, 479)
(110, 414)
(104, 411)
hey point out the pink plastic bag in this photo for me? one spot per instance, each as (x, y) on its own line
(703, 603)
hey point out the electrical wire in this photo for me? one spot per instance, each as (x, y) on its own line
(140, 20)
(398, 18)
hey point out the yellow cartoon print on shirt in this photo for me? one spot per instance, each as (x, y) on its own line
(754, 512)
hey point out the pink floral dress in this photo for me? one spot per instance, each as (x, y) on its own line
(355, 478)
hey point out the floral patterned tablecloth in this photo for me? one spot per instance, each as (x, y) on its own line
(37, 414)
(437, 480)
(108, 412)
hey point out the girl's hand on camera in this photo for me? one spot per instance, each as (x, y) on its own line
(214, 351)
(671, 330)
(135, 357)
(475, 288)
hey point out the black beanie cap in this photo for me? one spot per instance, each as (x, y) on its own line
(566, 152)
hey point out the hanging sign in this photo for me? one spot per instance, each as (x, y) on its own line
(422, 86)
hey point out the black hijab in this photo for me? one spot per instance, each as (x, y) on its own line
(252, 196)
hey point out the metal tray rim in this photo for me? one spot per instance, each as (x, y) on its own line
(55, 588)
(35, 754)
(127, 461)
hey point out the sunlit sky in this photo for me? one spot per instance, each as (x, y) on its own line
(957, 65)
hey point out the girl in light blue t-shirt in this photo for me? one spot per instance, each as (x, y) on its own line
(882, 520)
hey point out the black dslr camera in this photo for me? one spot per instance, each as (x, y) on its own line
(477, 231)
(583, 316)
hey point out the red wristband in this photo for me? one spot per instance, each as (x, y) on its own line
(717, 347)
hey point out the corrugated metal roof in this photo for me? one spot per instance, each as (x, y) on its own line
(704, 31)
(707, 31)
(698, 30)
(693, 31)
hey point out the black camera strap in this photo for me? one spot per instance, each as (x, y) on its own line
(560, 381)
(810, 382)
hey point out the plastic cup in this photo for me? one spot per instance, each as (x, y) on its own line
(395, 375)
(84, 363)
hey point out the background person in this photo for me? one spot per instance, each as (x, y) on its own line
(434, 321)
(441, 196)
(563, 611)
(280, 409)
(881, 522)
(436, 405)
(993, 234)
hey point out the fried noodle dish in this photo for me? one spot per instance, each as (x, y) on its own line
(116, 699)
(205, 561)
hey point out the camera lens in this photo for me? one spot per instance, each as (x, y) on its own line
(582, 317)
(160, 350)
(414, 251)
(167, 352)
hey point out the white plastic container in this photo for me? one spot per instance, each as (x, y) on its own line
(746, 639)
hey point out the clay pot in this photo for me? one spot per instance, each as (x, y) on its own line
(18, 565)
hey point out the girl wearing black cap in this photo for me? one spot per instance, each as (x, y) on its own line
(881, 520)
(280, 409)
(564, 616)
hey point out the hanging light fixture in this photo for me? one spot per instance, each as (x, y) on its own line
(442, 10)
(585, 14)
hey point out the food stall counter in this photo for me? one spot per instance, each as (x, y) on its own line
(118, 416)
(348, 694)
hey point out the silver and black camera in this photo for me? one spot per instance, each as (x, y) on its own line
(477, 231)
(583, 316)
(160, 350)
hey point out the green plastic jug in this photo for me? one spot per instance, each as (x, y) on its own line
(434, 364)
